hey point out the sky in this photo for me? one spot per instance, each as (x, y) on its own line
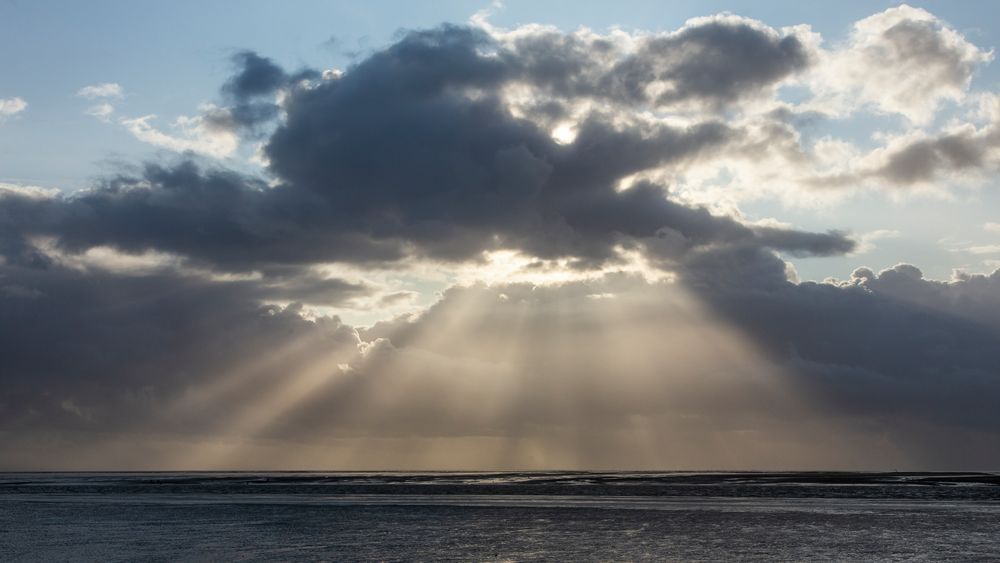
(519, 235)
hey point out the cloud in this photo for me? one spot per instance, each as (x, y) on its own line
(101, 111)
(397, 298)
(867, 241)
(255, 90)
(925, 159)
(257, 76)
(397, 160)
(11, 106)
(893, 348)
(775, 160)
(962, 153)
(903, 60)
(166, 331)
(195, 134)
(26, 191)
(710, 62)
(105, 90)
(397, 141)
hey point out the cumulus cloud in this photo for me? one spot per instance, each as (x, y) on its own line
(395, 159)
(166, 332)
(961, 153)
(252, 97)
(903, 60)
(255, 91)
(11, 106)
(925, 159)
(893, 347)
(709, 63)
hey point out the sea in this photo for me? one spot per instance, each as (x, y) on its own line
(509, 516)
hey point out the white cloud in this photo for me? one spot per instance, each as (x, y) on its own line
(101, 111)
(984, 249)
(903, 60)
(11, 106)
(866, 242)
(991, 227)
(22, 190)
(332, 74)
(106, 90)
(194, 134)
(109, 259)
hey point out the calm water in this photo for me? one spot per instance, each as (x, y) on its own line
(499, 516)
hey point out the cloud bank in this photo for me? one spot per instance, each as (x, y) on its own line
(171, 315)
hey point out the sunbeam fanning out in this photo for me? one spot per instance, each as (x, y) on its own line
(607, 373)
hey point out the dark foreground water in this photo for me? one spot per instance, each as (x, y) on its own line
(499, 516)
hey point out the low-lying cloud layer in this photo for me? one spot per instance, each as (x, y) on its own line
(167, 316)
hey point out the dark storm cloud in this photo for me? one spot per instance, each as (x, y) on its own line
(712, 63)
(252, 91)
(307, 286)
(718, 61)
(94, 350)
(396, 159)
(215, 217)
(257, 76)
(401, 151)
(891, 347)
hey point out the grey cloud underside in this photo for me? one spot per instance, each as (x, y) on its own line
(916, 359)
(251, 92)
(394, 159)
(257, 76)
(891, 356)
(712, 63)
(926, 160)
(119, 348)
